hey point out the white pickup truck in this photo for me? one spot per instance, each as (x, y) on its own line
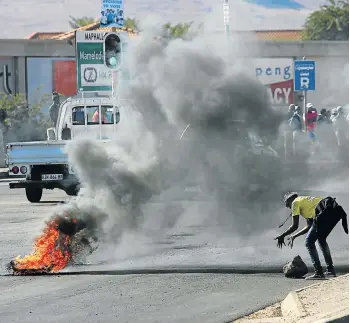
(44, 164)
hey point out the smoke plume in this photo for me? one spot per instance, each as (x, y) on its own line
(197, 132)
(195, 121)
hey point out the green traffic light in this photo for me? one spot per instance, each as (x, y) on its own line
(112, 61)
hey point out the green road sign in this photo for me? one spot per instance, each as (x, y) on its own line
(92, 74)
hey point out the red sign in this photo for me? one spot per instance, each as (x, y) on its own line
(281, 93)
(64, 77)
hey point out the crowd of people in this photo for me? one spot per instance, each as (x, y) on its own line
(325, 130)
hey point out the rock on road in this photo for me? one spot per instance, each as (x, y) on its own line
(135, 298)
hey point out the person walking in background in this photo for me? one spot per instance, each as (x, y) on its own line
(323, 117)
(311, 121)
(54, 108)
(325, 136)
(291, 111)
(341, 127)
(296, 125)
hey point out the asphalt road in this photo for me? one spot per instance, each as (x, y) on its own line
(195, 297)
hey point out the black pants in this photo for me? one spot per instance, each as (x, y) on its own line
(311, 238)
(323, 224)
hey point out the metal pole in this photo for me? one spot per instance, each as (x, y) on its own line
(305, 102)
(114, 29)
(226, 12)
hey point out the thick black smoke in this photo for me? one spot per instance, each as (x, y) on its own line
(224, 150)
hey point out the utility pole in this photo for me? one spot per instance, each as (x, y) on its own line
(114, 76)
(226, 12)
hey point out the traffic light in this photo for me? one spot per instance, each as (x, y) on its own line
(112, 49)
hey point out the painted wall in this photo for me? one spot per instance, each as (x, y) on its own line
(47, 74)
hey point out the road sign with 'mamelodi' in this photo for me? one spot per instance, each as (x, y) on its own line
(92, 74)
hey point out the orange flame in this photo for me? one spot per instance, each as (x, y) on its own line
(50, 252)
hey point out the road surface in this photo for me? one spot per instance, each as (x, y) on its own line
(195, 297)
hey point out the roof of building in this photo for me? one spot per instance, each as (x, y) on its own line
(278, 35)
(94, 26)
(43, 35)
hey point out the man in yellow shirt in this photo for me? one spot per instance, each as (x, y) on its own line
(321, 214)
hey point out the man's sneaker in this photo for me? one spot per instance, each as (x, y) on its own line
(316, 276)
(330, 273)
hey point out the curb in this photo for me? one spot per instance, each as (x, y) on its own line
(329, 317)
(335, 319)
(319, 282)
(293, 310)
(267, 320)
(292, 307)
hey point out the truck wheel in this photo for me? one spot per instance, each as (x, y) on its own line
(34, 194)
(72, 191)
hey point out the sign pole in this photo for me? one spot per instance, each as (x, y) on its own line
(304, 80)
(114, 29)
(305, 102)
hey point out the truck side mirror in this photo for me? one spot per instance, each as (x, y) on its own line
(51, 134)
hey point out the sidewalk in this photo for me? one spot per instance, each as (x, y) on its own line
(324, 301)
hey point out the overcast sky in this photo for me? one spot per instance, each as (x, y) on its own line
(20, 18)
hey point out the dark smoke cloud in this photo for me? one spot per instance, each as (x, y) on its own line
(226, 114)
(181, 83)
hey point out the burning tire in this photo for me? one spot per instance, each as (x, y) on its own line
(34, 194)
(62, 242)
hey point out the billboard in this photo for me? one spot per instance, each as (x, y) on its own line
(112, 13)
(277, 75)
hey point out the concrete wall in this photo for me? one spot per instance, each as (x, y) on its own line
(332, 59)
(12, 75)
(332, 65)
(35, 48)
(60, 48)
(332, 82)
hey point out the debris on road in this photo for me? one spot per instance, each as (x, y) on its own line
(319, 302)
(295, 268)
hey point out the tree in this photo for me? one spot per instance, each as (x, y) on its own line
(21, 122)
(181, 30)
(80, 22)
(131, 23)
(83, 21)
(330, 22)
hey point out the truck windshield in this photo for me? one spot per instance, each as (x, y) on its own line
(93, 116)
